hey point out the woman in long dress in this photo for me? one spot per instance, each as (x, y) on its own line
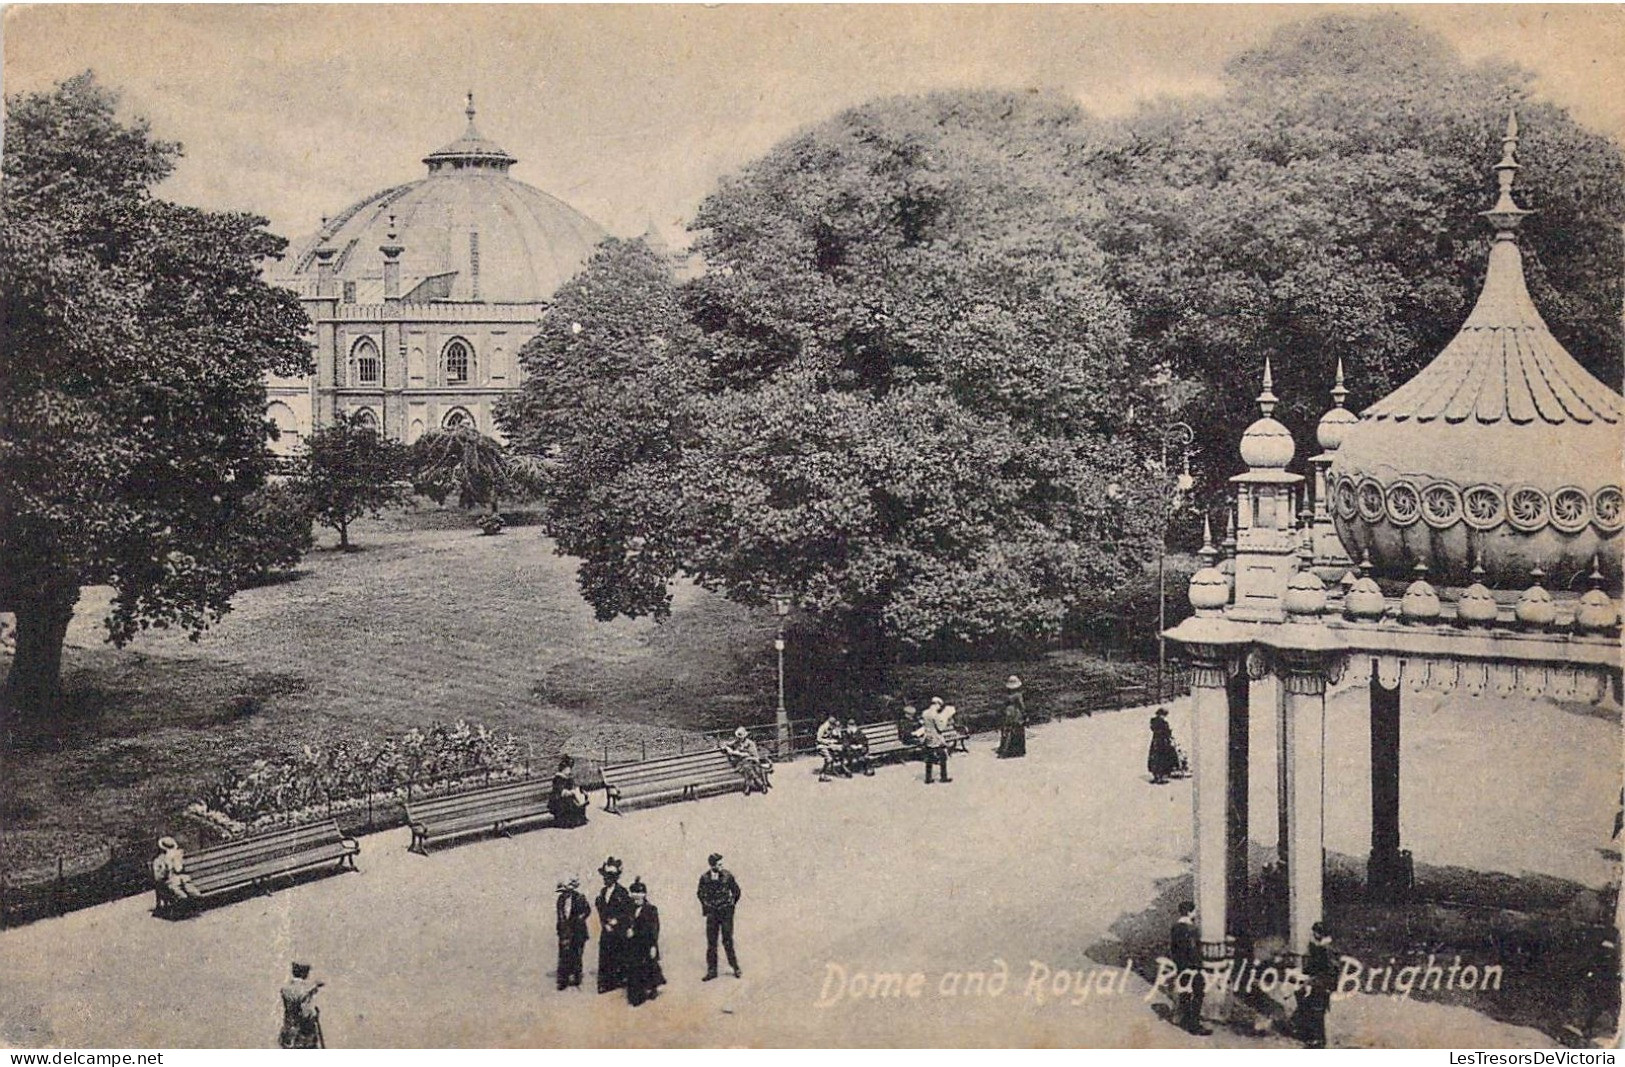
(643, 974)
(568, 802)
(1013, 727)
(1163, 759)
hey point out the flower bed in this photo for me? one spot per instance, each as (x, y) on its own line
(318, 783)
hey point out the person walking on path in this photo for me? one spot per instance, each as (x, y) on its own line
(934, 736)
(301, 1018)
(643, 974)
(1163, 758)
(573, 910)
(719, 892)
(614, 905)
(1013, 727)
(1190, 982)
(1320, 972)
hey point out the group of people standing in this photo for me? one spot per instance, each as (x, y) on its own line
(629, 930)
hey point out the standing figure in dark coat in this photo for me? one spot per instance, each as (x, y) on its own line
(568, 801)
(1163, 759)
(719, 891)
(643, 974)
(1013, 728)
(1320, 978)
(573, 910)
(1190, 983)
(614, 907)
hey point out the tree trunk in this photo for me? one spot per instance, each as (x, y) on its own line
(344, 536)
(33, 690)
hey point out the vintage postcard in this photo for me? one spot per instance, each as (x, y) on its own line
(797, 525)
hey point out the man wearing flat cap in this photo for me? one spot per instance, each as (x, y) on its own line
(301, 1019)
(614, 907)
(719, 892)
(573, 909)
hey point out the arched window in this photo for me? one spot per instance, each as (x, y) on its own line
(287, 427)
(458, 358)
(457, 417)
(364, 358)
(366, 418)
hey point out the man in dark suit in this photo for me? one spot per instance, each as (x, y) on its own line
(614, 905)
(1185, 946)
(573, 909)
(643, 974)
(1320, 979)
(719, 892)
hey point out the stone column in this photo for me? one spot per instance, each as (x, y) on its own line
(1385, 877)
(1210, 770)
(1303, 685)
(1239, 909)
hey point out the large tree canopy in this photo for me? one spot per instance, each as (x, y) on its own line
(1325, 206)
(137, 334)
(898, 392)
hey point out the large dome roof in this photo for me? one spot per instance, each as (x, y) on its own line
(467, 230)
(1504, 447)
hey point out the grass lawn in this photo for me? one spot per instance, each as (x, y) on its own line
(428, 622)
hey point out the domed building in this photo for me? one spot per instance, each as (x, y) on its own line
(422, 294)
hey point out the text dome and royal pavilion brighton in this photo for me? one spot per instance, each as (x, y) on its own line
(422, 294)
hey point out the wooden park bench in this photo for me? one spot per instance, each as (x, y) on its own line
(256, 860)
(492, 808)
(681, 777)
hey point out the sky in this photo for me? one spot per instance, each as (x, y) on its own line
(632, 113)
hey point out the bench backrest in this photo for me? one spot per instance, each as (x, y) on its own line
(525, 792)
(246, 851)
(669, 768)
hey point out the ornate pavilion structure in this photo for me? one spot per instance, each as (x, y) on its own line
(1485, 494)
(422, 294)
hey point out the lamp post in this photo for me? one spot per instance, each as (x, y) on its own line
(781, 608)
(1181, 434)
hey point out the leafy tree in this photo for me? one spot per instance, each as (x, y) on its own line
(461, 460)
(898, 391)
(1326, 205)
(274, 530)
(137, 336)
(347, 471)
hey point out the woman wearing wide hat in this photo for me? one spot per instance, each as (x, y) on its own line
(1013, 727)
(644, 976)
(1163, 759)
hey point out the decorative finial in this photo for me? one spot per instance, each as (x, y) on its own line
(1365, 565)
(1230, 533)
(1595, 577)
(1267, 399)
(469, 111)
(1207, 552)
(1339, 394)
(392, 233)
(1506, 214)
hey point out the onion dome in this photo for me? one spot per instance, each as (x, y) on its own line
(1477, 606)
(1502, 450)
(1364, 599)
(1420, 604)
(1597, 613)
(467, 232)
(1266, 444)
(1336, 422)
(1305, 594)
(1536, 608)
(1209, 589)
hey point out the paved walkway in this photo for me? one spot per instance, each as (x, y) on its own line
(1058, 858)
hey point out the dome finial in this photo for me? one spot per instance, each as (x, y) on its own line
(1207, 553)
(1339, 393)
(1506, 214)
(1267, 399)
(469, 111)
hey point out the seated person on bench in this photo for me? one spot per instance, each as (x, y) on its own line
(855, 748)
(568, 802)
(748, 760)
(169, 872)
(909, 726)
(832, 748)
